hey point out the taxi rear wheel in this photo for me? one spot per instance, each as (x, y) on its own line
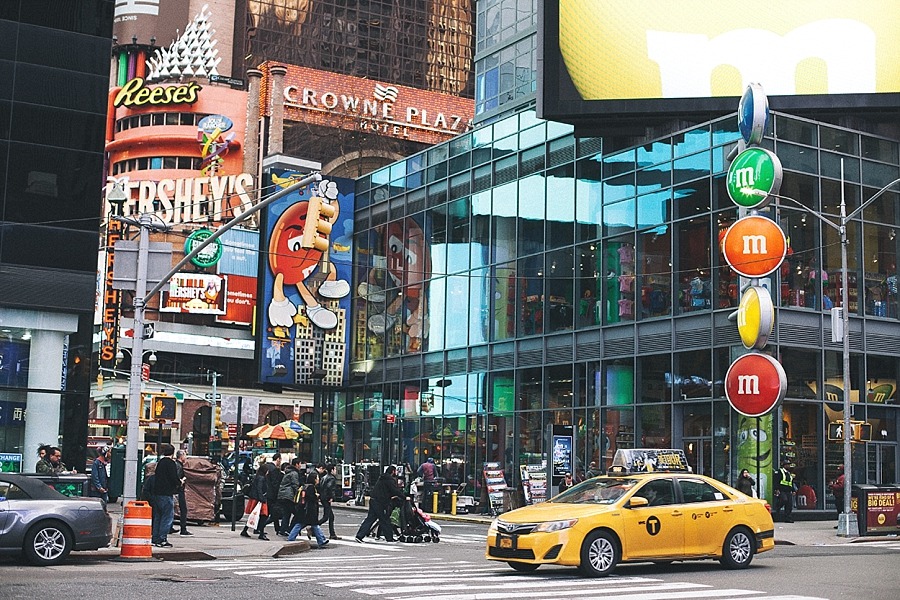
(523, 567)
(738, 549)
(599, 554)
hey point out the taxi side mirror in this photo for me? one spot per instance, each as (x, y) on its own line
(637, 502)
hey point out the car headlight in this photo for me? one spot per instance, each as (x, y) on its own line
(555, 526)
(493, 527)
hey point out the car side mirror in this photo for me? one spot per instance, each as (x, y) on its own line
(637, 502)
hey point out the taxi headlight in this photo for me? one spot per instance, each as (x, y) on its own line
(493, 527)
(555, 526)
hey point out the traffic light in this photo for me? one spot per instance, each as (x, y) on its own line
(219, 423)
(317, 214)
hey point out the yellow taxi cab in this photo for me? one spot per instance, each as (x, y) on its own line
(649, 507)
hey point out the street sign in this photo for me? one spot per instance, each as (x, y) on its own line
(755, 384)
(209, 396)
(163, 408)
(753, 176)
(149, 331)
(755, 317)
(754, 246)
(145, 372)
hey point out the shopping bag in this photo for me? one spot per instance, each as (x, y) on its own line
(253, 517)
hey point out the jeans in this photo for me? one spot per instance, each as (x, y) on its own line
(317, 531)
(165, 506)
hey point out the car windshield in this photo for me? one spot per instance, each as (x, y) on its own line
(597, 491)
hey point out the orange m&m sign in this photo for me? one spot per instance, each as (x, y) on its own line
(754, 246)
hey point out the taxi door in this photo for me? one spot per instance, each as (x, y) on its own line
(708, 516)
(656, 530)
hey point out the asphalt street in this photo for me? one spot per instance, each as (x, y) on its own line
(454, 569)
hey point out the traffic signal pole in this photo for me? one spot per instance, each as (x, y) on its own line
(140, 297)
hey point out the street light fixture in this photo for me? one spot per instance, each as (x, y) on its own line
(846, 525)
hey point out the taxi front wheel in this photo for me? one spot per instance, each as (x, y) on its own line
(737, 551)
(599, 554)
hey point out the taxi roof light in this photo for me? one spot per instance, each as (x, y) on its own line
(649, 460)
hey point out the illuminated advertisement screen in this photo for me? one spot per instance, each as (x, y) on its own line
(629, 58)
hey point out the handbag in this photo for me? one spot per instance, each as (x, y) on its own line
(253, 517)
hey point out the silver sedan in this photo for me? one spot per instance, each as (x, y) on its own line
(44, 525)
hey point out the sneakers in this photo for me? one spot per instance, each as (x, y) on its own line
(185, 532)
(163, 545)
(322, 545)
(358, 540)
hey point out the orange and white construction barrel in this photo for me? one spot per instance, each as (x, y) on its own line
(137, 531)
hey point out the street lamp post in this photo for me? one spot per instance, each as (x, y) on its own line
(846, 525)
(141, 294)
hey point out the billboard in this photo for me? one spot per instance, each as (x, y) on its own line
(626, 59)
(195, 293)
(306, 272)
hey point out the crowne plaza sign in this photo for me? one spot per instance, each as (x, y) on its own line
(353, 103)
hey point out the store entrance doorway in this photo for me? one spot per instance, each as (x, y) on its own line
(699, 454)
(882, 464)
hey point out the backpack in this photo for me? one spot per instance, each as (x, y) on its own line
(147, 487)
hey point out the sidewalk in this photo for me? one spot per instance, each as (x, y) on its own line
(217, 540)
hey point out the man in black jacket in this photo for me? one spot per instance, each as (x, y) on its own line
(327, 492)
(165, 487)
(385, 491)
(273, 482)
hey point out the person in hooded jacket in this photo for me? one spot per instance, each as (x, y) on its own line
(385, 491)
(287, 491)
(307, 512)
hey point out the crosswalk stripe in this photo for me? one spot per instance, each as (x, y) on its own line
(418, 577)
(523, 591)
(789, 597)
(674, 595)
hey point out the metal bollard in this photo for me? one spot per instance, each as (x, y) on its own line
(453, 503)
(434, 502)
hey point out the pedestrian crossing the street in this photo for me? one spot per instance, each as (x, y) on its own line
(393, 576)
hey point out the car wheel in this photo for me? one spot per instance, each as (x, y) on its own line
(599, 554)
(523, 567)
(47, 543)
(738, 549)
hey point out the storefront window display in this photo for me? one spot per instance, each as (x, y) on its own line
(880, 270)
(881, 379)
(799, 443)
(653, 289)
(694, 275)
(619, 278)
(693, 375)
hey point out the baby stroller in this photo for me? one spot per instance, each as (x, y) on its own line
(413, 526)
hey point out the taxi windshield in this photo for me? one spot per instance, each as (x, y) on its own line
(596, 491)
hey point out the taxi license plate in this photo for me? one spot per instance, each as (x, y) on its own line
(506, 542)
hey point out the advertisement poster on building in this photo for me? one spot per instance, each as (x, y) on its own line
(10, 463)
(305, 298)
(755, 451)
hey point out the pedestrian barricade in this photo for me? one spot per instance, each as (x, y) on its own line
(137, 531)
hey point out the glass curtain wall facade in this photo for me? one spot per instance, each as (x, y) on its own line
(54, 68)
(536, 280)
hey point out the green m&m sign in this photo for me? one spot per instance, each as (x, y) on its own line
(753, 177)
